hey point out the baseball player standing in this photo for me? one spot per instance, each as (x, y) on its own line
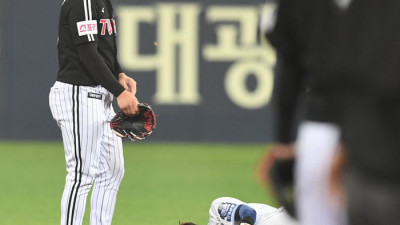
(305, 34)
(347, 54)
(81, 103)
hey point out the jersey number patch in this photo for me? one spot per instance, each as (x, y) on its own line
(108, 25)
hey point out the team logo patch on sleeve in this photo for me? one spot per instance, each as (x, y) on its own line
(225, 210)
(87, 27)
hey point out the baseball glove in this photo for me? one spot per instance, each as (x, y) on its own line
(282, 178)
(137, 127)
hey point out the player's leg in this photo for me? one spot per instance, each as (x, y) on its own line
(109, 175)
(81, 128)
(371, 132)
(316, 147)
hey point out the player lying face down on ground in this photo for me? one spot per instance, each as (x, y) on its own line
(232, 211)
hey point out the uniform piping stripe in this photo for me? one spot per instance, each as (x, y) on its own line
(76, 163)
(86, 14)
(87, 4)
(90, 15)
(78, 157)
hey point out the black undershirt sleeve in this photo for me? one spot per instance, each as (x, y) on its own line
(98, 69)
(118, 67)
(289, 83)
(289, 77)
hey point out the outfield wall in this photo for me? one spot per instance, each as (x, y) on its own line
(200, 64)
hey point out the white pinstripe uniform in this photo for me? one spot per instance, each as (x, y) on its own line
(93, 153)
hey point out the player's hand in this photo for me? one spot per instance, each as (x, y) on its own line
(128, 83)
(283, 151)
(279, 151)
(337, 191)
(128, 103)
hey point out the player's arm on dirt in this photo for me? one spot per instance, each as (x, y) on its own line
(100, 72)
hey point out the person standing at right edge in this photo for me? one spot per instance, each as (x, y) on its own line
(304, 36)
(88, 79)
(367, 60)
(359, 74)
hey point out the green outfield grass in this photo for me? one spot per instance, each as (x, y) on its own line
(163, 183)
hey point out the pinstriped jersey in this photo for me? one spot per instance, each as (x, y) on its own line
(85, 21)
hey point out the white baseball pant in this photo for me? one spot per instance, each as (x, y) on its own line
(315, 150)
(93, 153)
